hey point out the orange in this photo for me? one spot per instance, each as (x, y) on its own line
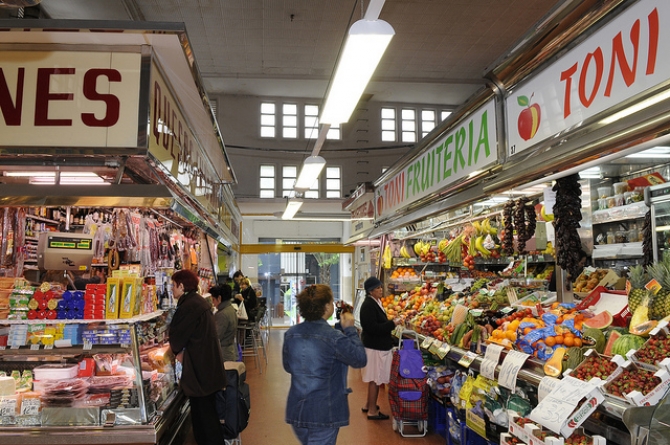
(511, 335)
(569, 340)
(559, 339)
(550, 341)
(578, 342)
(527, 331)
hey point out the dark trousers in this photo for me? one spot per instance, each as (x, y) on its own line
(205, 420)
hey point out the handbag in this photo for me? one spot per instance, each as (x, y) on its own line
(242, 312)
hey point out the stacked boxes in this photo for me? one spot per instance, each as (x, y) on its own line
(94, 301)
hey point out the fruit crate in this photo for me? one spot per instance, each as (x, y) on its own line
(638, 386)
(521, 427)
(437, 417)
(472, 438)
(654, 354)
(596, 366)
(545, 437)
(455, 428)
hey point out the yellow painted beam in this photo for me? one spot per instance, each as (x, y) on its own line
(301, 248)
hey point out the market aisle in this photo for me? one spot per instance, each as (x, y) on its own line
(268, 396)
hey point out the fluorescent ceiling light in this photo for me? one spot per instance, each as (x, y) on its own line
(655, 152)
(366, 42)
(292, 208)
(51, 174)
(311, 169)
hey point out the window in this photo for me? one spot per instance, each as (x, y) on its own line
(334, 132)
(333, 182)
(267, 120)
(408, 125)
(290, 121)
(267, 181)
(444, 115)
(388, 125)
(289, 175)
(313, 191)
(427, 121)
(311, 121)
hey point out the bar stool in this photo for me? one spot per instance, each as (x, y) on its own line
(249, 342)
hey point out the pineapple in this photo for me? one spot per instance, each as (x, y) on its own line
(660, 306)
(638, 278)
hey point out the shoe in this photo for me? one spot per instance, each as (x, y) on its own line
(379, 416)
(365, 410)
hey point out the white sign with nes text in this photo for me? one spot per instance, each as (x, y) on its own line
(69, 98)
(624, 58)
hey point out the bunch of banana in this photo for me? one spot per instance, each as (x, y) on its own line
(487, 228)
(478, 228)
(418, 247)
(442, 245)
(453, 249)
(388, 257)
(479, 246)
(404, 252)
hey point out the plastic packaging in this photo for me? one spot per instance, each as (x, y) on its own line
(619, 200)
(620, 188)
(604, 192)
(602, 204)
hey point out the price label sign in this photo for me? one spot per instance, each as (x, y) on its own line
(34, 347)
(435, 346)
(427, 342)
(510, 369)
(49, 346)
(488, 369)
(493, 352)
(87, 345)
(467, 359)
(444, 350)
(547, 385)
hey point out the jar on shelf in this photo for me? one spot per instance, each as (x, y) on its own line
(620, 188)
(619, 237)
(604, 192)
(602, 204)
(610, 237)
(632, 233)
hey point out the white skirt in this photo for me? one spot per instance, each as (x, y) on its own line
(378, 369)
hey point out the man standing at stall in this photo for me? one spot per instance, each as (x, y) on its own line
(194, 342)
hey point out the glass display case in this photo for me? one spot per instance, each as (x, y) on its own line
(658, 198)
(92, 381)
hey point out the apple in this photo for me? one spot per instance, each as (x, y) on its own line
(529, 118)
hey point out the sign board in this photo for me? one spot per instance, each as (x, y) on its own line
(620, 60)
(469, 147)
(69, 98)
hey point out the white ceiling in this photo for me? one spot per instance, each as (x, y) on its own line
(289, 48)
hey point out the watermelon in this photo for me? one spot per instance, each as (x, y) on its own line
(594, 338)
(601, 321)
(625, 343)
(572, 358)
(613, 336)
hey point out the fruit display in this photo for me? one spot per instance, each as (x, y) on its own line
(654, 350)
(660, 304)
(626, 343)
(595, 365)
(638, 279)
(586, 282)
(632, 379)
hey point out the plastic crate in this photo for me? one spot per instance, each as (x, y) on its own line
(472, 438)
(455, 428)
(437, 417)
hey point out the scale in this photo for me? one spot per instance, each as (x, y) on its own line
(64, 251)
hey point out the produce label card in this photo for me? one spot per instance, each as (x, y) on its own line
(467, 359)
(435, 346)
(654, 286)
(427, 342)
(444, 350)
(493, 352)
(510, 368)
(547, 384)
(488, 368)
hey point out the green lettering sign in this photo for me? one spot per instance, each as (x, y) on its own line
(483, 139)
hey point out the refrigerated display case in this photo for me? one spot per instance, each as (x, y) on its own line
(148, 409)
(657, 197)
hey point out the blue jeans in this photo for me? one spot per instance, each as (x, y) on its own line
(316, 436)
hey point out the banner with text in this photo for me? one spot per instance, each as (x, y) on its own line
(470, 147)
(622, 59)
(69, 98)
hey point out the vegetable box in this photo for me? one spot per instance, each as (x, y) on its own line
(654, 354)
(638, 386)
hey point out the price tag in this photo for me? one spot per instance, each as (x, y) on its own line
(124, 345)
(547, 384)
(87, 345)
(427, 342)
(557, 406)
(435, 346)
(7, 407)
(14, 346)
(444, 350)
(493, 352)
(30, 406)
(34, 347)
(2, 348)
(467, 359)
(507, 310)
(488, 368)
(510, 369)
(49, 346)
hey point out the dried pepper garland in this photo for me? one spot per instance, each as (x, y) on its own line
(568, 214)
(508, 225)
(647, 247)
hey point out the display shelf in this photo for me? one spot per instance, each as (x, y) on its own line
(139, 318)
(43, 219)
(23, 351)
(621, 213)
(617, 251)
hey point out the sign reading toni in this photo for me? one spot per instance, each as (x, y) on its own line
(469, 147)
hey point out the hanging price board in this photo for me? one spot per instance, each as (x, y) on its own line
(510, 369)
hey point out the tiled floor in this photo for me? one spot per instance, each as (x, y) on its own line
(268, 398)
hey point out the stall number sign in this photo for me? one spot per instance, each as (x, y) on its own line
(69, 98)
(619, 61)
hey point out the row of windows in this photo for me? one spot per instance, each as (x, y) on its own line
(268, 181)
(410, 126)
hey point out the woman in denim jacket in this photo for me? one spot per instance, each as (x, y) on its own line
(317, 356)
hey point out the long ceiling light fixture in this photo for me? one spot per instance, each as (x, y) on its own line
(311, 169)
(292, 207)
(366, 43)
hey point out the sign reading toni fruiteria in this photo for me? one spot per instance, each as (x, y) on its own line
(69, 98)
(469, 147)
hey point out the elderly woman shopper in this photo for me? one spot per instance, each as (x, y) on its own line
(226, 321)
(378, 341)
(317, 356)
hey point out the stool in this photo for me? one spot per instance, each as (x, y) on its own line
(250, 343)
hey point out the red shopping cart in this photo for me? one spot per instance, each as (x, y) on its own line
(408, 390)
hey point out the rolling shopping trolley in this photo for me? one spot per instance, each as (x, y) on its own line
(408, 390)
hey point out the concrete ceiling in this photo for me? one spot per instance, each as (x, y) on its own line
(288, 48)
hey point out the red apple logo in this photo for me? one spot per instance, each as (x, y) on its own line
(529, 118)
